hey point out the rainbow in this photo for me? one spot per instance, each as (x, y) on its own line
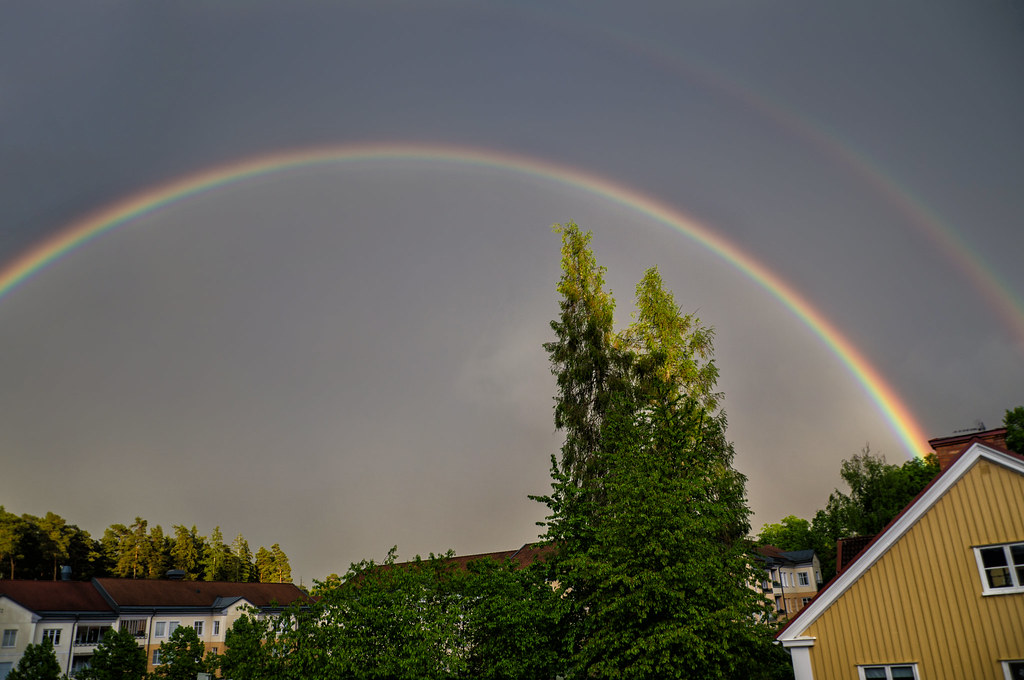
(65, 241)
(1007, 306)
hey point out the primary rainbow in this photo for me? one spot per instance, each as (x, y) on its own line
(895, 411)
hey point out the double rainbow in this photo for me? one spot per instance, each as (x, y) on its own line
(65, 241)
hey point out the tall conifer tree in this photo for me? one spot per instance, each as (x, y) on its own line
(651, 538)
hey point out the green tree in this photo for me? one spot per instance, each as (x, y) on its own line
(117, 657)
(514, 625)
(12, 533)
(582, 355)
(181, 656)
(242, 568)
(792, 533)
(1013, 421)
(39, 662)
(159, 553)
(187, 550)
(651, 544)
(282, 569)
(402, 622)
(57, 538)
(265, 566)
(878, 491)
(136, 552)
(253, 650)
(216, 557)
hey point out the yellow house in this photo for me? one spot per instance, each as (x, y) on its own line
(939, 594)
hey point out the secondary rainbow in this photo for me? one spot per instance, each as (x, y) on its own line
(48, 251)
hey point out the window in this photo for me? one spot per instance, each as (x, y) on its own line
(1013, 670)
(900, 672)
(53, 635)
(5, 668)
(10, 637)
(90, 635)
(160, 629)
(805, 601)
(216, 627)
(1001, 567)
(172, 625)
(198, 625)
(156, 657)
(802, 578)
(136, 627)
(213, 649)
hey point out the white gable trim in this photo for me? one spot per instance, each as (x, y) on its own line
(895, 532)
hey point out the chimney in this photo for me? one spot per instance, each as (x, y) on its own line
(948, 449)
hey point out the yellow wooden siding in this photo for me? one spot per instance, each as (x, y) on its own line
(921, 602)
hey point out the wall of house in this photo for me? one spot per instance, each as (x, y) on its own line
(922, 603)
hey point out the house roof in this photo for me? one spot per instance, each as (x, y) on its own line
(770, 552)
(55, 596)
(154, 593)
(896, 529)
(523, 557)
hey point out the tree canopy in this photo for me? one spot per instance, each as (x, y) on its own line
(878, 491)
(1013, 421)
(117, 657)
(648, 515)
(39, 662)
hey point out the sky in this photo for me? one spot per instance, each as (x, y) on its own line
(320, 268)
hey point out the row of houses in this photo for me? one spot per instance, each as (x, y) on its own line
(74, 615)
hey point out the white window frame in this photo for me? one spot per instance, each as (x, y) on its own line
(888, 669)
(1015, 579)
(803, 579)
(172, 626)
(156, 657)
(216, 627)
(198, 626)
(10, 638)
(160, 629)
(53, 635)
(1006, 667)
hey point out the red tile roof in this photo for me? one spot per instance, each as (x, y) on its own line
(55, 596)
(154, 593)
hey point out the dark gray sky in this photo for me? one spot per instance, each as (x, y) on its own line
(347, 357)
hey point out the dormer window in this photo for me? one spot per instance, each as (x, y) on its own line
(1001, 568)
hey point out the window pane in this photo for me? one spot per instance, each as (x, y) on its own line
(902, 672)
(998, 578)
(993, 557)
(875, 672)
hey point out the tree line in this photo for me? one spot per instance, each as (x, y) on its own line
(37, 547)
(877, 492)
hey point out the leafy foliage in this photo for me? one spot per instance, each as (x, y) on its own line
(878, 491)
(182, 656)
(117, 657)
(39, 662)
(792, 533)
(35, 547)
(650, 531)
(1013, 421)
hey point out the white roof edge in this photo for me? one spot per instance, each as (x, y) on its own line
(901, 526)
(799, 642)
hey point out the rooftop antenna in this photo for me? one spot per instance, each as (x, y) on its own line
(978, 427)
